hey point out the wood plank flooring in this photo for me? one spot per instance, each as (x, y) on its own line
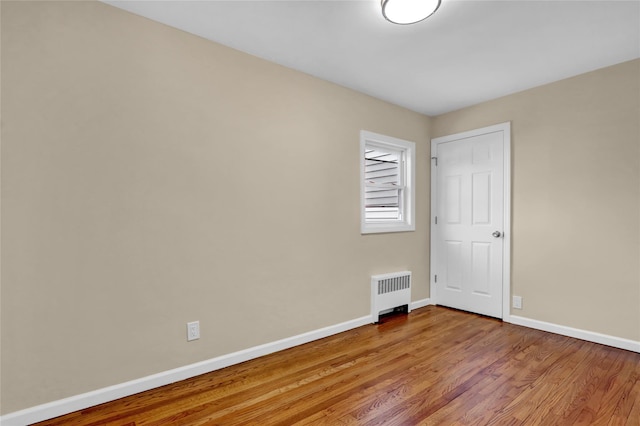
(436, 366)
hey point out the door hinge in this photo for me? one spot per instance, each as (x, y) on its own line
(436, 220)
(435, 158)
(435, 278)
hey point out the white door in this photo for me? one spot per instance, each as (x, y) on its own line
(470, 217)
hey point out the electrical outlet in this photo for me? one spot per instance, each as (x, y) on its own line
(517, 302)
(193, 330)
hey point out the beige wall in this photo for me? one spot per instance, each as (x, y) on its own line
(576, 197)
(150, 178)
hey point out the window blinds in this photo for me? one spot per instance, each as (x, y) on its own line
(383, 183)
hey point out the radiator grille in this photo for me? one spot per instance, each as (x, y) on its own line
(394, 284)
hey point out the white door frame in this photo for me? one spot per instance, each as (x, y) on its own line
(506, 252)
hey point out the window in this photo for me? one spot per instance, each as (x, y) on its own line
(386, 183)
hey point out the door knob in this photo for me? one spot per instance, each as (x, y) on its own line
(497, 234)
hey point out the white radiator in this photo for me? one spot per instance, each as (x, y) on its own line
(390, 291)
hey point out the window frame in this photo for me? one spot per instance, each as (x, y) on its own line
(407, 191)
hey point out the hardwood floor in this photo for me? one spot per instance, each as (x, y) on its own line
(436, 366)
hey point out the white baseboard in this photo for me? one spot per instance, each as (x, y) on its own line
(420, 303)
(590, 336)
(100, 396)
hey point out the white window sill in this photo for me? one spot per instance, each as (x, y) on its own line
(379, 228)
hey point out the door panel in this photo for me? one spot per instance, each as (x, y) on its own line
(453, 203)
(454, 265)
(480, 268)
(469, 186)
(481, 213)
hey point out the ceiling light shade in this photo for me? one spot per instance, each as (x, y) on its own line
(408, 11)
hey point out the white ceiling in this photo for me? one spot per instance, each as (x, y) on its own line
(468, 52)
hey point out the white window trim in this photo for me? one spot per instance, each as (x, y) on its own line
(408, 202)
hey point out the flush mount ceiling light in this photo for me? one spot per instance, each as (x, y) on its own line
(408, 11)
